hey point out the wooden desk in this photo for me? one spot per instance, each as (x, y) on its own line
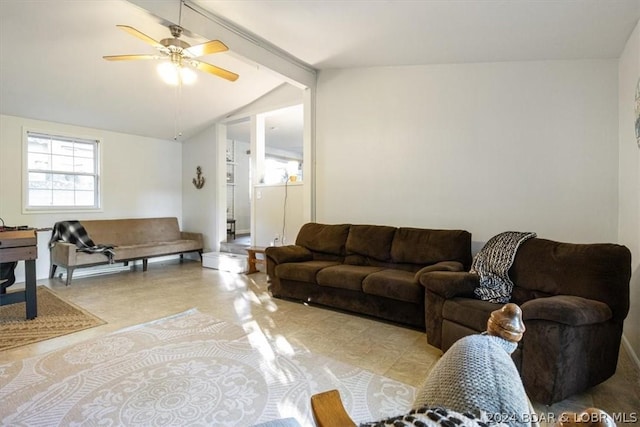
(253, 261)
(21, 245)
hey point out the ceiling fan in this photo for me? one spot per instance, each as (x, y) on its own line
(180, 55)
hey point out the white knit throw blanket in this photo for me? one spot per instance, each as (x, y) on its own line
(493, 262)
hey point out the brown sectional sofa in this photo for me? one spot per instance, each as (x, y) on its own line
(368, 269)
(133, 239)
(574, 299)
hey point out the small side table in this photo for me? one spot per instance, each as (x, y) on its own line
(253, 261)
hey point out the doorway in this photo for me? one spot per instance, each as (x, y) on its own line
(269, 176)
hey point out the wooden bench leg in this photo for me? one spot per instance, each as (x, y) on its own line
(69, 275)
(144, 264)
(52, 271)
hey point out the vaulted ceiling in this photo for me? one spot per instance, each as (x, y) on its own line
(51, 65)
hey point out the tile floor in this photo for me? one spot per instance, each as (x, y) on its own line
(132, 297)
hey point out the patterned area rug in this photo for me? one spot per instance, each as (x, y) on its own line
(188, 369)
(56, 317)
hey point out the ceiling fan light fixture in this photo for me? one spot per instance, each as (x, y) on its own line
(173, 74)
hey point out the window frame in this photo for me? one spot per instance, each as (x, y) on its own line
(63, 136)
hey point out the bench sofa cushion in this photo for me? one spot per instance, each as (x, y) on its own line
(132, 231)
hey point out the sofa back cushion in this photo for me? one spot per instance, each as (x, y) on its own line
(124, 232)
(370, 241)
(599, 271)
(324, 238)
(426, 247)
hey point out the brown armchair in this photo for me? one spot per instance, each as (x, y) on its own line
(574, 299)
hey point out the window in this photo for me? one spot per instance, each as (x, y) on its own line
(277, 170)
(62, 172)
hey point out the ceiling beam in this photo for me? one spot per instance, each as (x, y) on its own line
(241, 42)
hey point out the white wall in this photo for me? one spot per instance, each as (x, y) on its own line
(276, 215)
(629, 206)
(200, 211)
(485, 147)
(141, 177)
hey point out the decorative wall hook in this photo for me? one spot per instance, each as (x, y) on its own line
(199, 180)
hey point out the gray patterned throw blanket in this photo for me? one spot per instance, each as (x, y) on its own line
(493, 262)
(73, 232)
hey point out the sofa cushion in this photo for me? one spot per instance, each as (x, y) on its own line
(394, 284)
(133, 231)
(553, 267)
(598, 271)
(424, 246)
(302, 271)
(345, 276)
(471, 313)
(440, 266)
(325, 238)
(289, 253)
(371, 240)
(567, 309)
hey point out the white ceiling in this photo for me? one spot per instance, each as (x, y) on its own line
(51, 68)
(364, 33)
(51, 65)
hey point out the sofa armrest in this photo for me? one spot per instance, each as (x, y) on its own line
(290, 253)
(63, 254)
(440, 266)
(440, 286)
(567, 309)
(449, 284)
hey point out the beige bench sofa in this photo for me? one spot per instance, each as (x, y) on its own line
(133, 239)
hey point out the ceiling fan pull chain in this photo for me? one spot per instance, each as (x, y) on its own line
(176, 122)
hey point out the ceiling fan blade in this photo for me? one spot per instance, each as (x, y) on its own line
(145, 38)
(129, 57)
(213, 46)
(216, 71)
